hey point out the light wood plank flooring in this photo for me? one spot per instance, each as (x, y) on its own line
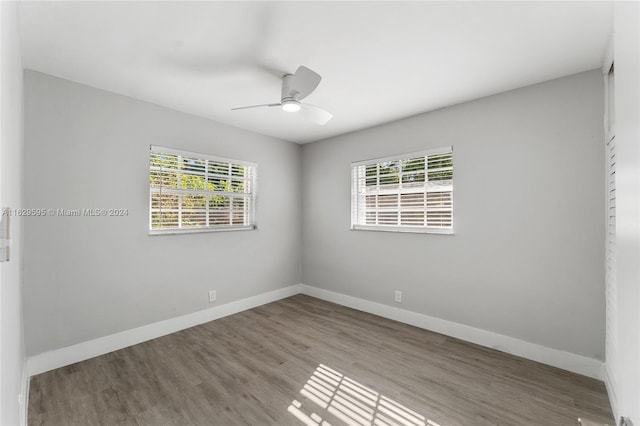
(305, 361)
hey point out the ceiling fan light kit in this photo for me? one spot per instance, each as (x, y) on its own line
(291, 105)
(296, 87)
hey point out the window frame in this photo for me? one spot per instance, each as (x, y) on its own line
(205, 157)
(355, 212)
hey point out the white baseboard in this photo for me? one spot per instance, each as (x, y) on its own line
(567, 361)
(79, 352)
(609, 384)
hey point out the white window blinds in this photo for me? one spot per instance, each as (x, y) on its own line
(411, 192)
(611, 288)
(190, 192)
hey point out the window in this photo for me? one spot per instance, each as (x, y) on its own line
(191, 192)
(409, 193)
(611, 288)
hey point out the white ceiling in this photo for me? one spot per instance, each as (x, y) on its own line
(380, 61)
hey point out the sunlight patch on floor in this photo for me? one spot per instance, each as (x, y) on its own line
(351, 402)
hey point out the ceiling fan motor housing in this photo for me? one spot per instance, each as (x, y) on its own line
(288, 93)
(289, 96)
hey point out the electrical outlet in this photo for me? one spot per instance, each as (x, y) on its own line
(398, 297)
(212, 296)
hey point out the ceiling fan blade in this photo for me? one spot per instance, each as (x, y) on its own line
(255, 106)
(304, 81)
(316, 114)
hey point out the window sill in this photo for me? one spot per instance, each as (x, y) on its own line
(153, 232)
(403, 229)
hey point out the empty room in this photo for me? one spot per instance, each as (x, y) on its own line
(320, 213)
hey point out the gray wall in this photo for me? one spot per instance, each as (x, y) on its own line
(12, 355)
(527, 256)
(87, 277)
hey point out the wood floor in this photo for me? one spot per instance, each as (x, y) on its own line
(305, 361)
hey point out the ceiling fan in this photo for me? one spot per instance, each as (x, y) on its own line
(296, 87)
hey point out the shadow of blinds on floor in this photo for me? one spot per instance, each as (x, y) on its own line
(351, 402)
